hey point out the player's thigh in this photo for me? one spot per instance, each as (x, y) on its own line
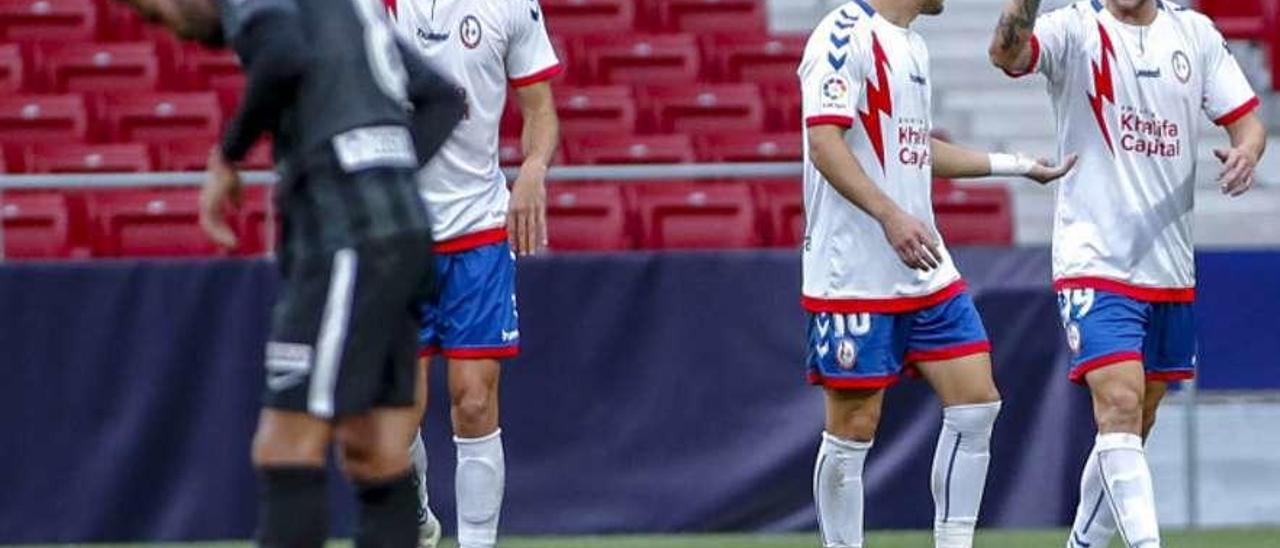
(1103, 329)
(477, 311)
(853, 414)
(290, 438)
(965, 380)
(1169, 349)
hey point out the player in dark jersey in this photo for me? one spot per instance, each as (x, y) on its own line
(347, 105)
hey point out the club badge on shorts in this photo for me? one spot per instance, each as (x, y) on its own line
(1073, 337)
(847, 354)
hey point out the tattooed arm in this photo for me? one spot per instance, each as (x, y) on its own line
(1011, 46)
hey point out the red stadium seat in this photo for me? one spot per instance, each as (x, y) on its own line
(785, 104)
(711, 109)
(96, 67)
(193, 155)
(77, 158)
(36, 225)
(1238, 19)
(12, 72)
(640, 59)
(120, 22)
(748, 147)
(203, 68)
(48, 20)
(596, 110)
(26, 119)
(711, 16)
(973, 214)
(628, 149)
(163, 117)
(745, 58)
(697, 216)
(587, 217)
(782, 206)
(258, 222)
(148, 223)
(575, 17)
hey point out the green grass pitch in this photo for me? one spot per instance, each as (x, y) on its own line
(1228, 538)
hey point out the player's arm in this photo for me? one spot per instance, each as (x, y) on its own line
(541, 132)
(1011, 47)
(272, 50)
(915, 244)
(1248, 142)
(438, 104)
(952, 161)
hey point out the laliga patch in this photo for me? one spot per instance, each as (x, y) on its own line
(1074, 337)
(287, 364)
(847, 354)
(1181, 66)
(835, 92)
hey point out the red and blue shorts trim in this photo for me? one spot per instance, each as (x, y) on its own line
(1108, 322)
(474, 314)
(871, 349)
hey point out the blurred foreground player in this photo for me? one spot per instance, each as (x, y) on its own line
(879, 285)
(328, 79)
(484, 46)
(1129, 80)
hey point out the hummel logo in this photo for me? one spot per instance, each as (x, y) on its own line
(823, 349)
(915, 78)
(838, 41)
(508, 336)
(1154, 73)
(823, 324)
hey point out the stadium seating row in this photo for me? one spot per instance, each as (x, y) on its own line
(582, 217)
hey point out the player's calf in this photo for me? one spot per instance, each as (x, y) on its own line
(289, 454)
(959, 474)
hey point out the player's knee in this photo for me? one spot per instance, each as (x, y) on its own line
(857, 426)
(369, 460)
(475, 408)
(1120, 409)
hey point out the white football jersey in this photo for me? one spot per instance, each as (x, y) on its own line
(864, 73)
(483, 46)
(1128, 99)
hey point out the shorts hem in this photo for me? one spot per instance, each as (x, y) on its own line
(1078, 373)
(1171, 376)
(853, 383)
(949, 352)
(486, 353)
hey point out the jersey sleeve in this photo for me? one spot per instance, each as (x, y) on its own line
(235, 15)
(832, 77)
(1055, 34)
(1227, 94)
(530, 57)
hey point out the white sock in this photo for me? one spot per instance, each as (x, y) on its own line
(837, 491)
(1094, 524)
(1126, 480)
(479, 485)
(960, 471)
(418, 456)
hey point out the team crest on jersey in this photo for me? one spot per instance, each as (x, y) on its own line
(846, 354)
(470, 32)
(1073, 337)
(1181, 66)
(835, 91)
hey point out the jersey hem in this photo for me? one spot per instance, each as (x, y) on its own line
(471, 241)
(1137, 292)
(895, 305)
(540, 76)
(1239, 112)
(1035, 60)
(830, 119)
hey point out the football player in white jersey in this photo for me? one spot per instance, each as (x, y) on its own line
(1130, 81)
(479, 226)
(882, 293)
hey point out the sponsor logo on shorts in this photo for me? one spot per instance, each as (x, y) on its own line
(1073, 337)
(512, 335)
(287, 364)
(847, 354)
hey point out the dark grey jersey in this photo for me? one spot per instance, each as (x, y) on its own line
(355, 75)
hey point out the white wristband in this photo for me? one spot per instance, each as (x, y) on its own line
(1010, 164)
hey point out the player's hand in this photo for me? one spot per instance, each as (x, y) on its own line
(1238, 165)
(1044, 172)
(527, 219)
(915, 244)
(220, 195)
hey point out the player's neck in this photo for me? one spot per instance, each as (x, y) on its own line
(1142, 15)
(899, 12)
